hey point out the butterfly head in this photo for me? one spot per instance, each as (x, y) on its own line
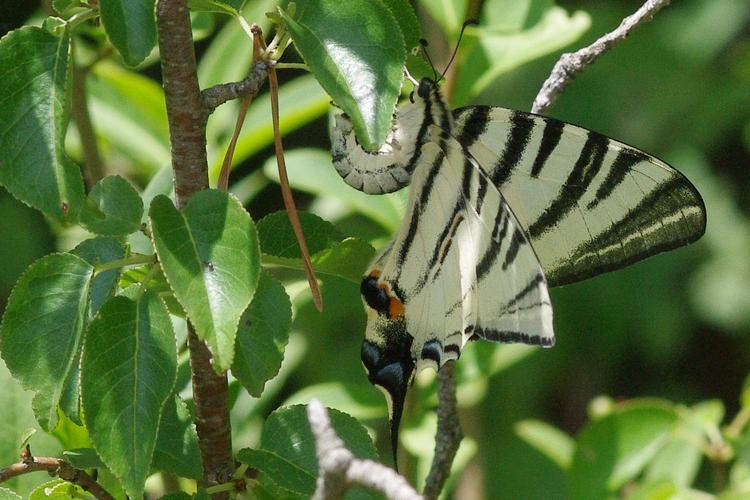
(386, 350)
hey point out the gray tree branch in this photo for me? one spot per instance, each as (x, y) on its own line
(571, 64)
(448, 436)
(217, 95)
(339, 469)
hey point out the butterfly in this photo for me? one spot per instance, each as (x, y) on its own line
(503, 205)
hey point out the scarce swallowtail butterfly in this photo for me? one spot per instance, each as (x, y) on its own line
(503, 205)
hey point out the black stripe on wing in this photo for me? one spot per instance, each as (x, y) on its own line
(626, 159)
(585, 169)
(509, 336)
(521, 127)
(553, 130)
(671, 199)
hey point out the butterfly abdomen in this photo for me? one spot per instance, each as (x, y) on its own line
(390, 167)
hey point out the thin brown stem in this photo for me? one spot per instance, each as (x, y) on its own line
(59, 468)
(93, 168)
(187, 117)
(448, 436)
(223, 182)
(286, 192)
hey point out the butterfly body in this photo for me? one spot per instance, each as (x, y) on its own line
(503, 204)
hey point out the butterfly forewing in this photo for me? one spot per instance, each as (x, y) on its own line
(589, 204)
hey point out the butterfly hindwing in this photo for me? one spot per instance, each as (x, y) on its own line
(589, 204)
(471, 269)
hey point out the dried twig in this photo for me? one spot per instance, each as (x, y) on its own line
(286, 192)
(55, 467)
(339, 469)
(571, 64)
(449, 434)
(223, 182)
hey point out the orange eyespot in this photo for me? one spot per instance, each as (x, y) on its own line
(396, 308)
(380, 297)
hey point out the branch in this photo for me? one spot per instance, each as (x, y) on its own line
(339, 469)
(571, 64)
(215, 96)
(187, 117)
(93, 168)
(449, 434)
(55, 467)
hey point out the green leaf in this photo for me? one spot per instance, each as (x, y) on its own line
(496, 49)
(59, 490)
(348, 260)
(129, 369)
(276, 235)
(83, 458)
(287, 449)
(549, 440)
(356, 51)
(231, 7)
(177, 449)
(210, 258)
(262, 336)
(129, 114)
(34, 104)
(6, 494)
(131, 26)
(615, 448)
(311, 170)
(449, 14)
(42, 328)
(113, 208)
(97, 251)
(680, 459)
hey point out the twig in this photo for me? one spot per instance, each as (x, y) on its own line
(187, 116)
(217, 95)
(571, 64)
(56, 467)
(449, 434)
(339, 469)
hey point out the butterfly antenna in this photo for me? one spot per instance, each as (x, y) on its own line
(468, 22)
(423, 43)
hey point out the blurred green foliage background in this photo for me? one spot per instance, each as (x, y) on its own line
(675, 327)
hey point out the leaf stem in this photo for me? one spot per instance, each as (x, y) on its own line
(301, 66)
(81, 17)
(133, 260)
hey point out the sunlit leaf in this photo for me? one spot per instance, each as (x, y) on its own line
(356, 51)
(34, 89)
(209, 254)
(44, 322)
(129, 368)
